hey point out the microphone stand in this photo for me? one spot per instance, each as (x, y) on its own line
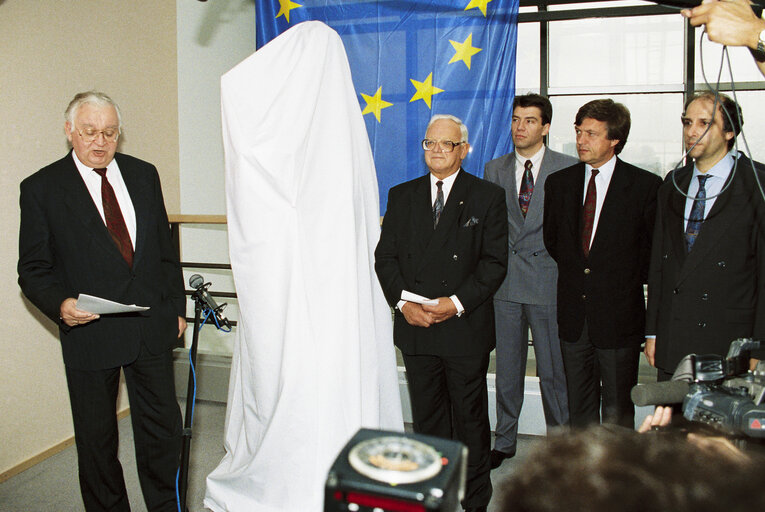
(190, 398)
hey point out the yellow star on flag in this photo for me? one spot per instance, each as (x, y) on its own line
(464, 51)
(286, 6)
(481, 4)
(425, 90)
(375, 104)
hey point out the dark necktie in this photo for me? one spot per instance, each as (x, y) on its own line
(438, 206)
(696, 218)
(115, 222)
(589, 213)
(527, 188)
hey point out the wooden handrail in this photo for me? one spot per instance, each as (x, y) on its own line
(179, 218)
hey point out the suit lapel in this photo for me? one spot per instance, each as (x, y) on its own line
(422, 213)
(507, 180)
(724, 211)
(449, 216)
(511, 195)
(676, 211)
(608, 220)
(537, 201)
(80, 203)
(140, 197)
(573, 211)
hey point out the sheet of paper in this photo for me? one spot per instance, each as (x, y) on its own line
(419, 299)
(101, 306)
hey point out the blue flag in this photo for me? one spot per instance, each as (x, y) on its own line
(413, 59)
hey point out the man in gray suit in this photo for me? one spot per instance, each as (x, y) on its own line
(527, 297)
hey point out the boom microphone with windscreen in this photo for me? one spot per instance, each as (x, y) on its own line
(660, 393)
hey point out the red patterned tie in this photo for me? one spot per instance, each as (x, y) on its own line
(527, 188)
(589, 213)
(115, 222)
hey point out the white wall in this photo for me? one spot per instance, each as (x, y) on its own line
(212, 38)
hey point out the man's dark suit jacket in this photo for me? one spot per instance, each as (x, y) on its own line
(65, 249)
(465, 256)
(699, 302)
(605, 288)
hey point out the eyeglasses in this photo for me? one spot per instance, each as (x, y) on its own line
(446, 146)
(89, 135)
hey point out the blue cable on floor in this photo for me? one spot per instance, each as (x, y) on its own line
(207, 312)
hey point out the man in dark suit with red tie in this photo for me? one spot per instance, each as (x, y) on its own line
(444, 237)
(598, 223)
(94, 222)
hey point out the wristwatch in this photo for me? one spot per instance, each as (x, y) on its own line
(759, 53)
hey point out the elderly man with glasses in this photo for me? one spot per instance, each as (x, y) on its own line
(94, 223)
(444, 238)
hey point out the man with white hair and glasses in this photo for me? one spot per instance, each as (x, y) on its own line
(444, 238)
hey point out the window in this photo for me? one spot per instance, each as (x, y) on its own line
(638, 60)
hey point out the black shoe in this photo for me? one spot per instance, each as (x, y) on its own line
(497, 457)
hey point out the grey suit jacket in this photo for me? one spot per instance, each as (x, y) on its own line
(531, 273)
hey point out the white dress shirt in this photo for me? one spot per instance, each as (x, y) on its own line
(93, 181)
(717, 177)
(446, 188)
(520, 166)
(602, 181)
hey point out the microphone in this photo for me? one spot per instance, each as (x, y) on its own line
(660, 393)
(198, 283)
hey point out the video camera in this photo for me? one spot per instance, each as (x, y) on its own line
(715, 391)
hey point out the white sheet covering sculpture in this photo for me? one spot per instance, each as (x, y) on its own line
(313, 359)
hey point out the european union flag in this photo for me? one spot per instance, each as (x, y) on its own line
(413, 59)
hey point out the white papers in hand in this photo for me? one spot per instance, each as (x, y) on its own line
(419, 299)
(101, 306)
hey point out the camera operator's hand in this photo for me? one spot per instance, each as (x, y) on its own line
(729, 22)
(753, 364)
(661, 417)
(650, 350)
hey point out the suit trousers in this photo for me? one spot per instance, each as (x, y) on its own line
(156, 420)
(450, 400)
(511, 319)
(593, 374)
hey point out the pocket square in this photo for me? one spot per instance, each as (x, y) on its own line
(472, 221)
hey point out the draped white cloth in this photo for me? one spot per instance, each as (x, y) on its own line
(313, 358)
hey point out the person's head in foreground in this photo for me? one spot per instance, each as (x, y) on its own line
(601, 470)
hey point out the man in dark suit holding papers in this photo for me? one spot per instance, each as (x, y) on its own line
(444, 236)
(94, 222)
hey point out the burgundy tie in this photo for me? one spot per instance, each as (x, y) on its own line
(589, 213)
(115, 222)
